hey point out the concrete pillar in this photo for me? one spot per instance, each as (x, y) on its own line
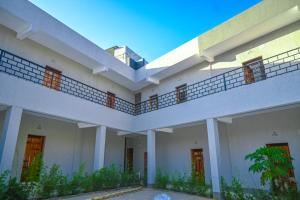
(151, 157)
(8, 140)
(99, 147)
(214, 155)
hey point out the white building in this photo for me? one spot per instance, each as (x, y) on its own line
(213, 100)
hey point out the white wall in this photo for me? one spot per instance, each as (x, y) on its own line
(248, 133)
(173, 150)
(238, 139)
(114, 148)
(44, 56)
(274, 92)
(274, 43)
(65, 144)
(61, 142)
(22, 93)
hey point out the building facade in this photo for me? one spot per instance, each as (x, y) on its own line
(210, 101)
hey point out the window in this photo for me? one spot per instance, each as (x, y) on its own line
(153, 102)
(181, 93)
(111, 100)
(254, 70)
(52, 78)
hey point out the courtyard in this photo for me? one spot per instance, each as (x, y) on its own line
(145, 194)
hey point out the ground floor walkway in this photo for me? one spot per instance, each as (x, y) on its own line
(144, 194)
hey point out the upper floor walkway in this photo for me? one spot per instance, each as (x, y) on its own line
(273, 75)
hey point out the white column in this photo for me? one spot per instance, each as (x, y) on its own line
(151, 157)
(99, 147)
(214, 153)
(8, 140)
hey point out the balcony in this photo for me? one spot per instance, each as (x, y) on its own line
(22, 68)
(250, 73)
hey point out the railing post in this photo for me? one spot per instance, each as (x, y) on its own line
(224, 82)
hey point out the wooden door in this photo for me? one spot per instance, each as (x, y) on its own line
(129, 158)
(34, 146)
(286, 148)
(197, 163)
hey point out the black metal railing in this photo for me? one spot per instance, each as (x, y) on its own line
(255, 71)
(25, 69)
(259, 70)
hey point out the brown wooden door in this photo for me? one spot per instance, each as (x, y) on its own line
(129, 158)
(197, 163)
(34, 146)
(285, 147)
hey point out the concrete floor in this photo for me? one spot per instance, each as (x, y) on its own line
(149, 194)
(144, 194)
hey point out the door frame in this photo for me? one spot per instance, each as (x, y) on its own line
(25, 147)
(203, 167)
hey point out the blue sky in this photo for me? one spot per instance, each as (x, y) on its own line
(149, 27)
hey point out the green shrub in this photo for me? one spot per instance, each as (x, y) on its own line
(182, 183)
(77, 182)
(16, 191)
(235, 191)
(47, 183)
(178, 182)
(129, 178)
(161, 180)
(32, 174)
(274, 164)
(3, 185)
(106, 178)
(52, 183)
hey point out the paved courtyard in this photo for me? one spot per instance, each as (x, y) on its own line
(144, 194)
(149, 194)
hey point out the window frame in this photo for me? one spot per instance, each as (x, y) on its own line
(110, 100)
(250, 74)
(181, 93)
(52, 78)
(153, 102)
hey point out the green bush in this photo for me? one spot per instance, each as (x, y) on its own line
(52, 183)
(235, 191)
(182, 183)
(273, 164)
(3, 186)
(178, 182)
(129, 178)
(16, 190)
(161, 180)
(109, 177)
(77, 184)
(32, 174)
